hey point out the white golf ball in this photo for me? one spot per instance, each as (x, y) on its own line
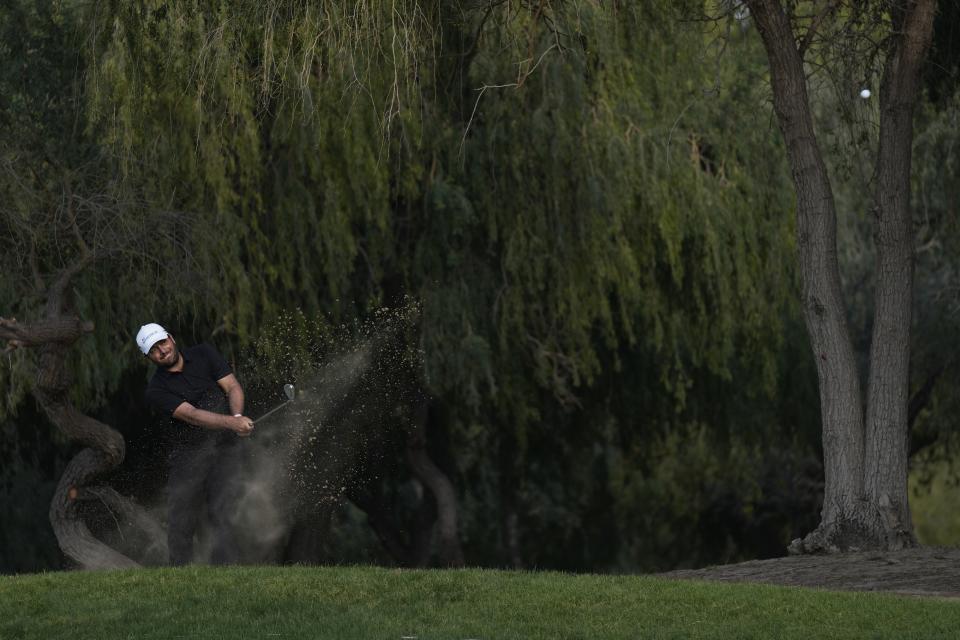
(865, 93)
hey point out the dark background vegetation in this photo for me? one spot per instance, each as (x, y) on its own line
(586, 204)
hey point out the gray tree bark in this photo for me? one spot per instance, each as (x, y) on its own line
(865, 452)
(888, 396)
(103, 447)
(447, 529)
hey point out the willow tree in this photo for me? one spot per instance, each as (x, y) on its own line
(293, 132)
(597, 231)
(518, 168)
(79, 251)
(864, 435)
(335, 157)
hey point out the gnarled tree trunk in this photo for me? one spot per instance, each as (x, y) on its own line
(103, 446)
(432, 477)
(865, 459)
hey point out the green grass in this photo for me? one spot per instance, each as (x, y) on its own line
(372, 603)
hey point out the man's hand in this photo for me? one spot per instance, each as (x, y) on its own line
(241, 425)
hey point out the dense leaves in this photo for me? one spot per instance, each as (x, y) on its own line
(586, 201)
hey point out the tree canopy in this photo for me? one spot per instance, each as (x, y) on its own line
(587, 203)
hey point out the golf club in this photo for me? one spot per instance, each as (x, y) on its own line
(290, 392)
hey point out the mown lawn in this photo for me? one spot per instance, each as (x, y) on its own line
(373, 603)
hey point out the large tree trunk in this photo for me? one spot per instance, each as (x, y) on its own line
(103, 447)
(104, 450)
(822, 299)
(451, 553)
(411, 550)
(380, 517)
(887, 427)
(865, 501)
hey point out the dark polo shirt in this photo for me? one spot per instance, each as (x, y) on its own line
(196, 383)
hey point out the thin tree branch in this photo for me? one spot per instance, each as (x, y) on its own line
(54, 305)
(72, 215)
(815, 25)
(35, 268)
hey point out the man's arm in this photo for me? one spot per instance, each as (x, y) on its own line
(231, 387)
(242, 425)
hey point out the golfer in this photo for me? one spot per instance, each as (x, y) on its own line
(197, 389)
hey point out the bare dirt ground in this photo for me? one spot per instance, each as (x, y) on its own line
(925, 571)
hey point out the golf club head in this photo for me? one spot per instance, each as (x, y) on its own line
(290, 392)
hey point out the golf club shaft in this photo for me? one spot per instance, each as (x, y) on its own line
(272, 411)
(290, 391)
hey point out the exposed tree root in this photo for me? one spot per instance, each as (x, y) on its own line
(879, 534)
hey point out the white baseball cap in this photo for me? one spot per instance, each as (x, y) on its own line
(149, 335)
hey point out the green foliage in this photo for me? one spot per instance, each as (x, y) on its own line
(550, 193)
(684, 501)
(36, 97)
(61, 205)
(275, 125)
(587, 204)
(29, 463)
(584, 220)
(933, 494)
(936, 191)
